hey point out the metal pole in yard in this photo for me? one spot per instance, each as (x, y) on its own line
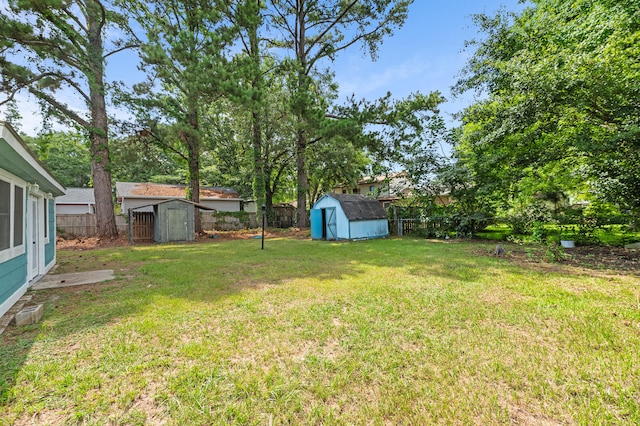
(264, 209)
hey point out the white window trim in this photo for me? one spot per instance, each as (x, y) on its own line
(13, 252)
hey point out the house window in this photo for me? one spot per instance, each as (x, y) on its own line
(356, 190)
(372, 189)
(18, 216)
(5, 215)
(344, 191)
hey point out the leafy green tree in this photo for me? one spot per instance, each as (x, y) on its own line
(248, 18)
(406, 133)
(47, 46)
(183, 50)
(66, 155)
(134, 159)
(331, 162)
(312, 32)
(563, 87)
(232, 131)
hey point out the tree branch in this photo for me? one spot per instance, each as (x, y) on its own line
(62, 108)
(330, 27)
(120, 49)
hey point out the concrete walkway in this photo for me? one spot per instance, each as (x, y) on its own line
(55, 281)
(70, 280)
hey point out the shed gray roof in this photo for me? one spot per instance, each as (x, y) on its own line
(196, 205)
(77, 196)
(359, 207)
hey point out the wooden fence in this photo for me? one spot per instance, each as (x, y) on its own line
(84, 225)
(402, 227)
(142, 226)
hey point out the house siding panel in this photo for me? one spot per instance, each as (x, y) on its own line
(74, 208)
(13, 273)
(222, 205)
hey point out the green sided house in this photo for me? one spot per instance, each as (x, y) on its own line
(27, 218)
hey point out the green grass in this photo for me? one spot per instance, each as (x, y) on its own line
(372, 332)
(612, 235)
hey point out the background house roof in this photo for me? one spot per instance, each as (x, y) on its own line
(77, 196)
(159, 190)
(359, 207)
(382, 178)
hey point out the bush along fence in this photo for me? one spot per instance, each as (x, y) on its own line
(438, 226)
(228, 221)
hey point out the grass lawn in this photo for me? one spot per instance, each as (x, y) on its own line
(612, 235)
(373, 332)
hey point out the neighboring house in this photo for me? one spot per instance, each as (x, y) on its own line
(388, 189)
(132, 195)
(76, 201)
(348, 217)
(27, 218)
(385, 188)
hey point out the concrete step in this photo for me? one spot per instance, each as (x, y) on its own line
(8, 317)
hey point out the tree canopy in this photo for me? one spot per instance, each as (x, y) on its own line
(48, 45)
(562, 100)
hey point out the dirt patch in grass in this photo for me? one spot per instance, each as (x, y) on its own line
(89, 243)
(603, 258)
(614, 258)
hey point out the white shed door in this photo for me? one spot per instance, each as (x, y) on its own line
(332, 227)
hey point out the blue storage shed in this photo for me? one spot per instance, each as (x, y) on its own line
(348, 217)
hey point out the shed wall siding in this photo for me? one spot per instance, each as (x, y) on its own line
(369, 229)
(162, 220)
(343, 224)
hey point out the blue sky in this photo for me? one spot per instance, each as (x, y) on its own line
(425, 55)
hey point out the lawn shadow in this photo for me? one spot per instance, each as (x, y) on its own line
(212, 271)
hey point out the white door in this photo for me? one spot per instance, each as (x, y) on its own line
(34, 240)
(332, 224)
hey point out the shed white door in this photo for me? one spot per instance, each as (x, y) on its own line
(332, 227)
(177, 224)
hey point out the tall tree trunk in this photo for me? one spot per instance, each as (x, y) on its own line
(192, 140)
(301, 109)
(98, 133)
(259, 181)
(302, 179)
(257, 84)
